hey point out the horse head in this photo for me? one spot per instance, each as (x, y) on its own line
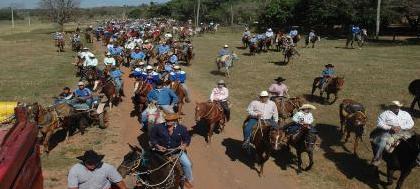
(309, 136)
(339, 82)
(276, 138)
(131, 161)
(200, 110)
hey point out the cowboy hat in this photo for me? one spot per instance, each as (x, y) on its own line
(264, 94)
(307, 106)
(137, 48)
(396, 103)
(171, 117)
(141, 63)
(176, 67)
(226, 46)
(85, 48)
(149, 67)
(81, 83)
(280, 79)
(329, 66)
(221, 82)
(91, 157)
(91, 56)
(108, 54)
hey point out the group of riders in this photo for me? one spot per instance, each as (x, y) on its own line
(137, 44)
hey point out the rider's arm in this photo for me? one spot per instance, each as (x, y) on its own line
(381, 122)
(225, 94)
(275, 112)
(72, 181)
(212, 95)
(121, 185)
(296, 117)
(408, 122)
(173, 96)
(251, 109)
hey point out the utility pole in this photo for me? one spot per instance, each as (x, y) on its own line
(378, 19)
(13, 19)
(231, 14)
(197, 21)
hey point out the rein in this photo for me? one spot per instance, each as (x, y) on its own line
(209, 112)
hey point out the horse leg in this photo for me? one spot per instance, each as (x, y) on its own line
(403, 176)
(47, 141)
(347, 136)
(264, 157)
(311, 160)
(299, 156)
(356, 144)
(210, 132)
(390, 175)
(335, 98)
(416, 99)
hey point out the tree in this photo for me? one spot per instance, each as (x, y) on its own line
(60, 11)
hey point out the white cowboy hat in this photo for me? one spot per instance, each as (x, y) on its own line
(269, 29)
(264, 94)
(149, 67)
(108, 54)
(176, 67)
(141, 63)
(146, 41)
(91, 55)
(307, 106)
(81, 83)
(226, 46)
(137, 70)
(397, 103)
(221, 82)
(85, 48)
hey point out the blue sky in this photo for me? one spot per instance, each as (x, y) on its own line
(83, 4)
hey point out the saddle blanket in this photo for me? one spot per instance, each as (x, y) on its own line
(393, 141)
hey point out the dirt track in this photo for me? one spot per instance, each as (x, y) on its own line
(220, 165)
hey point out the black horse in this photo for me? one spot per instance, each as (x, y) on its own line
(304, 141)
(404, 158)
(153, 170)
(414, 89)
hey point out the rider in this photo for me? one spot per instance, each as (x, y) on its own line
(326, 75)
(116, 75)
(163, 96)
(224, 51)
(64, 96)
(116, 50)
(150, 76)
(262, 109)
(91, 172)
(246, 33)
(173, 59)
(278, 89)
(83, 94)
(136, 55)
(293, 33)
(302, 117)
(311, 35)
(392, 123)
(163, 48)
(220, 94)
(178, 75)
(269, 33)
(354, 31)
(171, 135)
(109, 60)
(91, 62)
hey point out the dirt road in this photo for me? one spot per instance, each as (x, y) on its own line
(220, 165)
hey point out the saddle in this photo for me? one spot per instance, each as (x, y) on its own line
(395, 139)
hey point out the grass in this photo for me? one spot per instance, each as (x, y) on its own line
(374, 75)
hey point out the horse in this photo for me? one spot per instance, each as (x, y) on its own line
(304, 141)
(212, 114)
(180, 93)
(311, 40)
(404, 157)
(352, 119)
(59, 43)
(76, 45)
(91, 75)
(286, 107)
(141, 89)
(289, 52)
(245, 41)
(226, 62)
(333, 86)
(267, 43)
(152, 170)
(414, 89)
(296, 39)
(279, 41)
(359, 37)
(51, 119)
(253, 48)
(265, 140)
(107, 87)
(88, 37)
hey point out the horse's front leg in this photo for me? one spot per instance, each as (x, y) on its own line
(403, 176)
(416, 99)
(299, 156)
(390, 175)
(311, 160)
(356, 144)
(47, 141)
(210, 132)
(347, 136)
(264, 157)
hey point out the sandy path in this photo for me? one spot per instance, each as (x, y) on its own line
(212, 165)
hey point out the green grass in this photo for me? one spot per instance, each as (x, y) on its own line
(374, 75)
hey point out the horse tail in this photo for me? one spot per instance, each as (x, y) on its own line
(414, 87)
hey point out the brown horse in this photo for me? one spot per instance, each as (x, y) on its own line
(352, 119)
(266, 140)
(52, 119)
(304, 141)
(91, 75)
(245, 41)
(286, 107)
(88, 37)
(289, 53)
(179, 91)
(59, 43)
(333, 86)
(107, 87)
(141, 89)
(212, 114)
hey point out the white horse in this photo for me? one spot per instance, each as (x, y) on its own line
(226, 62)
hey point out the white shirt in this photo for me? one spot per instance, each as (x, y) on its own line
(219, 94)
(388, 119)
(268, 110)
(82, 178)
(269, 34)
(91, 62)
(109, 61)
(303, 117)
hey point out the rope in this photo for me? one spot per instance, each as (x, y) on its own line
(151, 171)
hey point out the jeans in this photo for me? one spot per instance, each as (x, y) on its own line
(168, 108)
(250, 125)
(118, 85)
(380, 141)
(186, 166)
(226, 109)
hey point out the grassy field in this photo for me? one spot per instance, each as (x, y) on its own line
(374, 75)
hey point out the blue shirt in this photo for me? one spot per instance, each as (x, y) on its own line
(115, 50)
(138, 56)
(163, 96)
(137, 74)
(224, 52)
(327, 72)
(173, 59)
(82, 93)
(293, 33)
(180, 76)
(160, 135)
(168, 67)
(355, 29)
(150, 78)
(162, 49)
(253, 40)
(116, 74)
(260, 36)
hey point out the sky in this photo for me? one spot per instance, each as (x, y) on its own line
(83, 3)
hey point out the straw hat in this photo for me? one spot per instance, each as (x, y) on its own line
(171, 117)
(81, 83)
(226, 46)
(307, 106)
(396, 103)
(264, 94)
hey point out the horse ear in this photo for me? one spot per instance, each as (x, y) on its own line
(131, 147)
